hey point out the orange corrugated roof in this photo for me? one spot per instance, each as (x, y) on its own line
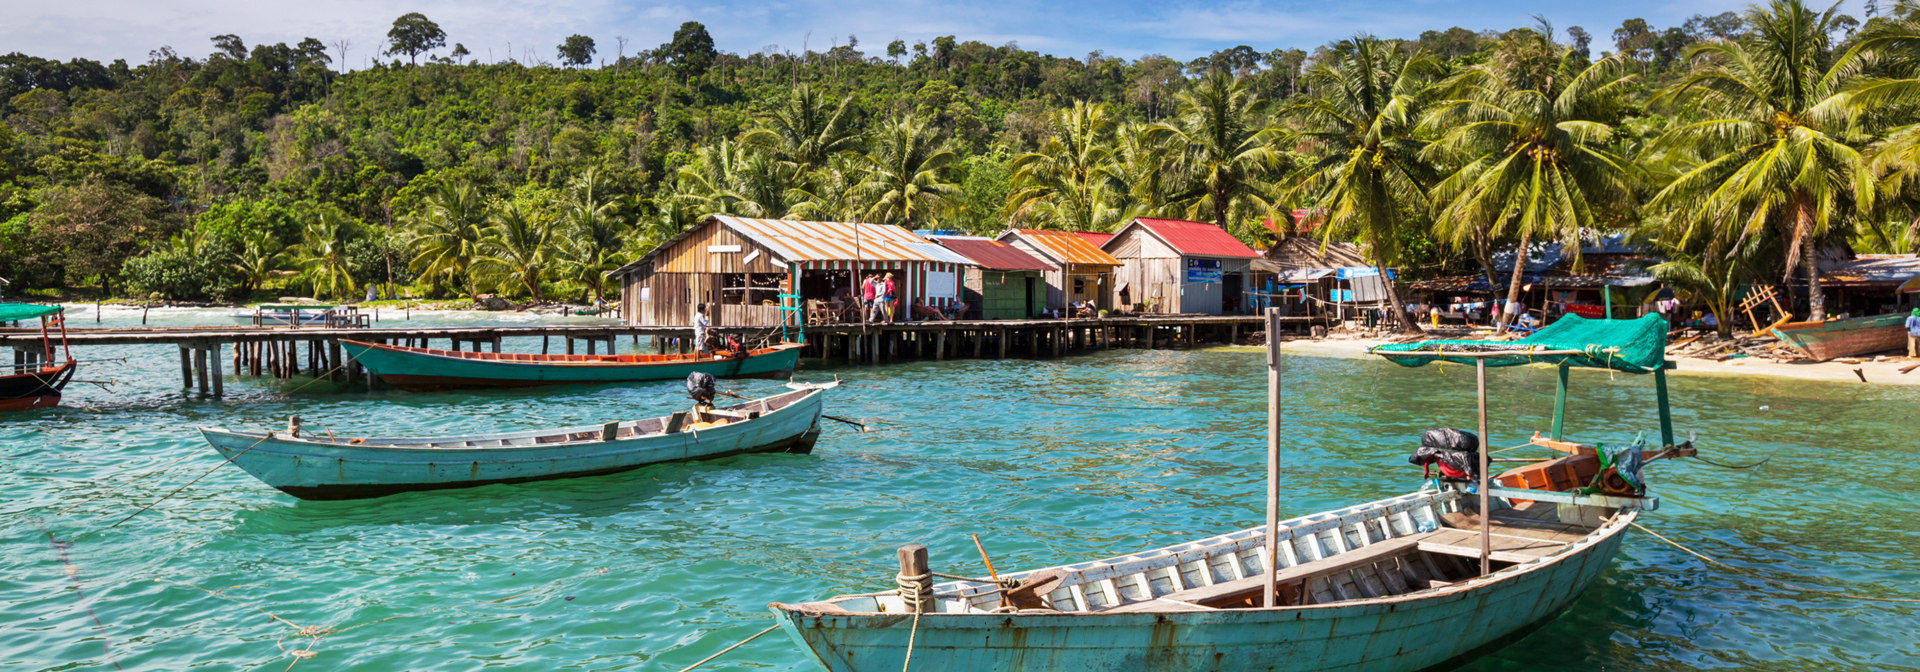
(1065, 247)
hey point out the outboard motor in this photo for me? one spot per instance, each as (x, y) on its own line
(1457, 451)
(700, 387)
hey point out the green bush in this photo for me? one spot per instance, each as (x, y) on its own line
(178, 275)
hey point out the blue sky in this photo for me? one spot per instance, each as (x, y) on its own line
(495, 29)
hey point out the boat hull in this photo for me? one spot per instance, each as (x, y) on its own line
(1442, 628)
(38, 389)
(1822, 341)
(331, 471)
(421, 370)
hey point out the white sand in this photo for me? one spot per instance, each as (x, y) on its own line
(1885, 372)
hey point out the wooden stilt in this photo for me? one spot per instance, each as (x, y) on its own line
(186, 368)
(333, 354)
(219, 384)
(200, 369)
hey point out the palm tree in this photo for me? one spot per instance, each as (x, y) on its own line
(1143, 185)
(260, 257)
(907, 179)
(1772, 141)
(1225, 149)
(1066, 184)
(729, 178)
(831, 193)
(1886, 99)
(1531, 133)
(323, 253)
(446, 237)
(516, 254)
(806, 131)
(592, 234)
(1365, 103)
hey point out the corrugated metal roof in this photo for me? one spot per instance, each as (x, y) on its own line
(1301, 252)
(1196, 239)
(1098, 238)
(1065, 247)
(1872, 269)
(994, 255)
(940, 253)
(802, 241)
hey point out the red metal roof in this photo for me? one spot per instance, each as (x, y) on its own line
(1197, 239)
(1095, 237)
(993, 255)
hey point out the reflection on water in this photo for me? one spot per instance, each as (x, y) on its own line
(1049, 461)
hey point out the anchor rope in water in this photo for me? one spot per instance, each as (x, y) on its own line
(736, 645)
(1702, 556)
(130, 481)
(176, 491)
(73, 574)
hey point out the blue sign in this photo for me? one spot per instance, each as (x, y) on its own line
(1203, 271)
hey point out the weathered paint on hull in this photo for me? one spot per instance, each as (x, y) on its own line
(1822, 341)
(29, 403)
(336, 471)
(421, 372)
(1382, 635)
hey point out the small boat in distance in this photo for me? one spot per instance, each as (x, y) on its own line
(427, 370)
(344, 467)
(36, 378)
(1822, 341)
(284, 315)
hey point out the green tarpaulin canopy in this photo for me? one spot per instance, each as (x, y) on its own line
(22, 311)
(1633, 346)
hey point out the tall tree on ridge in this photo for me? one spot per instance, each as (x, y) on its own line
(413, 34)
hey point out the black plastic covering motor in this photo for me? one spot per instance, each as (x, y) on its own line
(700, 387)
(1457, 451)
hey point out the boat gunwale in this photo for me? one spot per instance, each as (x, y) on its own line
(1614, 526)
(420, 445)
(494, 357)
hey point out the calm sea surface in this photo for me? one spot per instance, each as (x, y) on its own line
(1048, 461)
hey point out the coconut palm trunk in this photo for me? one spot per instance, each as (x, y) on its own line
(1513, 283)
(1816, 295)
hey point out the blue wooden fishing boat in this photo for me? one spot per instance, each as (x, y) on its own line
(312, 466)
(1411, 582)
(423, 369)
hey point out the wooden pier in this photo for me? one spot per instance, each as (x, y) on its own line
(207, 352)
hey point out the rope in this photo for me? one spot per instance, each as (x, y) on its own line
(322, 376)
(724, 651)
(176, 491)
(1697, 554)
(1762, 461)
(910, 635)
(156, 470)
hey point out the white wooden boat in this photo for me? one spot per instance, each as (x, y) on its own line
(1366, 589)
(1419, 581)
(312, 466)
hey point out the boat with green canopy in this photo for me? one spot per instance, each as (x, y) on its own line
(36, 377)
(1427, 579)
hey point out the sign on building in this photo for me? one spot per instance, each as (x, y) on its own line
(1203, 271)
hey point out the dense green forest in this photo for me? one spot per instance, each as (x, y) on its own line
(1738, 143)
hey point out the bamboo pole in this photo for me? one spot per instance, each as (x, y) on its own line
(1273, 460)
(1486, 516)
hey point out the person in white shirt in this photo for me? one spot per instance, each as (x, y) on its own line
(700, 326)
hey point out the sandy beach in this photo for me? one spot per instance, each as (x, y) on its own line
(1884, 372)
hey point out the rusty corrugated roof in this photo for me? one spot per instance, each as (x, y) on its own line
(802, 241)
(1302, 252)
(993, 254)
(1065, 247)
(1196, 239)
(1871, 269)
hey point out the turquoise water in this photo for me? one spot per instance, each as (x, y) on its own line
(1048, 461)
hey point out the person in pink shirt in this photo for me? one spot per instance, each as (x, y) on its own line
(867, 306)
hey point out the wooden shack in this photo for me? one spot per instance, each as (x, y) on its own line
(1297, 274)
(1082, 272)
(1177, 266)
(1005, 284)
(740, 267)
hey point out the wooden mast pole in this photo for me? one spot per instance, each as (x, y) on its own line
(1486, 516)
(1273, 454)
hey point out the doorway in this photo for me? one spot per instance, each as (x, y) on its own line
(1232, 300)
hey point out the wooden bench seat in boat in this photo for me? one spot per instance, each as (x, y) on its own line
(1240, 589)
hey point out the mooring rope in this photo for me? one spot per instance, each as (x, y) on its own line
(1701, 556)
(910, 636)
(130, 481)
(736, 645)
(73, 574)
(176, 491)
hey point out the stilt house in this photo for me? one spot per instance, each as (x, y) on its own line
(1082, 272)
(1176, 266)
(740, 267)
(1006, 284)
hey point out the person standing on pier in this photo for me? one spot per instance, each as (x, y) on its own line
(886, 296)
(700, 326)
(1913, 334)
(868, 308)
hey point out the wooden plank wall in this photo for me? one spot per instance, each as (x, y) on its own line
(693, 254)
(1148, 266)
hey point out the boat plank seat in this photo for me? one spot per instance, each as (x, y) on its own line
(1517, 527)
(1504, 548)
(1241, 589)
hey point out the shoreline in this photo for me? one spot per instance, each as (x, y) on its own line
(1886, 372)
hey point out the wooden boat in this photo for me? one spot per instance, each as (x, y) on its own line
(1418, 581)
(283, 315)
(1367, 589)
(1822, 341)
(422, 369)
(346, 467)
(36, 379)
